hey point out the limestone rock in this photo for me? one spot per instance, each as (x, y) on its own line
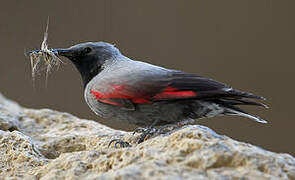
(8, 114)
(46, 144)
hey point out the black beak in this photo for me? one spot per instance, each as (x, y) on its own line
(57, 52)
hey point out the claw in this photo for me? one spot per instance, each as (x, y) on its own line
(140, 130)
(145, 133)
(121, 143)
(142, 138)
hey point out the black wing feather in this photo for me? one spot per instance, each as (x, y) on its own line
(207, 88)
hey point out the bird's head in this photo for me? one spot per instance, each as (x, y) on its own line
(90, 57)
(89, 53)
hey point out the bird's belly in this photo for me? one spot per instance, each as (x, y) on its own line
(162, 112)
(145, 114)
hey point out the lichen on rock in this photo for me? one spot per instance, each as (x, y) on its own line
(46, 144)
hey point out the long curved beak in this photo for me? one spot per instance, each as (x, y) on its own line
(57, 52)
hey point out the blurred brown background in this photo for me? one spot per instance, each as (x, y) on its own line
(247, 44)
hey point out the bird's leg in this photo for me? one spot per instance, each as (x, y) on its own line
(140, 130)
(146, 133)
(151, 131)
(170, 127)
(121, 143)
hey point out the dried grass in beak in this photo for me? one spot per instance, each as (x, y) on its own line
(44, 56)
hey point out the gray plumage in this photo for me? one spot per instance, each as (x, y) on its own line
(135, 92)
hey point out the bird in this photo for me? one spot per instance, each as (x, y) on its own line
(147, 95)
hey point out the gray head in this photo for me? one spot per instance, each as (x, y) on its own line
(89, 57)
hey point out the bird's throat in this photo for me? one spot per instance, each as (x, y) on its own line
(88, 72)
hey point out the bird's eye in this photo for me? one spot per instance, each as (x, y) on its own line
(87, 50)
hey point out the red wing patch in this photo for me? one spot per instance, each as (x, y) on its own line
(99, 96)
(118, 93)
(173, 93)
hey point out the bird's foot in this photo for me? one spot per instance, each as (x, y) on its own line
(118, 143)
(171, 127)
(145, 133)
(168, 128)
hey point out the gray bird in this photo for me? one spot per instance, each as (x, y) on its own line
(135, 92)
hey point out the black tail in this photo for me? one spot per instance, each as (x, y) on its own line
(242, 94)
(240, 101)
(240, 98)
(233, 110)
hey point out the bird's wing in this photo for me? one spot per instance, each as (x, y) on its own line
(173, 85)
(205, 88)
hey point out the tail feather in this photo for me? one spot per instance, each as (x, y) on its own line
(237, 97)
(239, 93)
(239, 112)
(242, 101)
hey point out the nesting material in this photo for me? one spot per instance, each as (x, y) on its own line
(43, 57)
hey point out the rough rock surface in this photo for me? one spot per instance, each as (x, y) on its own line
(46, 144)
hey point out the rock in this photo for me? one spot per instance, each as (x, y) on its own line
(46, 144)
(8, 114)
(19, 158)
